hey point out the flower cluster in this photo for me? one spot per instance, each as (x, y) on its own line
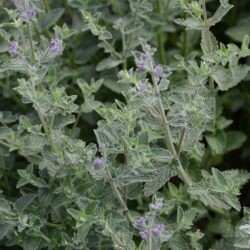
(55, 45)
(99, 162)
(157, 206)
(145, 229)
(27, 12)
(14, 47)
(28, 16)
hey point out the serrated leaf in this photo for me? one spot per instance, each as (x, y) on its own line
(108, 63)
(235, 140)
(23, 202)
(5, 228)
(223, 9)
(47, 20)
(162, 176)
(217, 142)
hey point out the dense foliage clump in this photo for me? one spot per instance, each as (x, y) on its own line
(124, 124)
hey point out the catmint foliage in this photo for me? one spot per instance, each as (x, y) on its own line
(114, 126)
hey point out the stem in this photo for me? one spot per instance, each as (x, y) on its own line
(183, 134)
(185, 41)
(130, 38)
(169, 139)
(160, 37)
(124, 50)
(46, 5)
(31, 45)
(207, 38)
(150, 231)
(119, 197)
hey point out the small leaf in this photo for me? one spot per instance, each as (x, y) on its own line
(47, 20)
(108, 63)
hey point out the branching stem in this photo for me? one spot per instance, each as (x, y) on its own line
(168, 137)
(119, 197)
(33, 59)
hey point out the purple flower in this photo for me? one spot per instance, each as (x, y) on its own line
(157, 206)
(28, 16)
(159, 229)
(140, 222)
(143, 234)
(14, 47)
(142, 66)
(99, 162)
(143, 88)
(158, 71)
(55, 45)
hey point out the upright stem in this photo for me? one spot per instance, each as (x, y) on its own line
(169, 139)
(160, 37)
(31, 44)
(124, 50)
(208, 42)
(119, 197)
(46, 5)
(150, 247)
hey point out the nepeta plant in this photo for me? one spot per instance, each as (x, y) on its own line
(148, 179)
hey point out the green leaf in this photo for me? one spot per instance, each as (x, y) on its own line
(47, 20)
(217, 142)
(5, 228)
(235, 140)
(23, 202)
(83, 231)
(223, 9)
(5, 132)
(108, 63)
(162, 176)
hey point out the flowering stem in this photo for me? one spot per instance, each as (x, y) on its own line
(46, 5)
(31, 44)
(119, 197)
(160, 37)
(207, 39)
(150, 247)
(168, 137)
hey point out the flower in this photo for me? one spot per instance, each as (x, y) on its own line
(142, 61)
(140, 222)
(158, 71)
(55, 45)
(99, 162)
(143, 234)
(143, 88)
(157, 206)
(118, 23)
(28, 16)
(159, 229)
(14, 47)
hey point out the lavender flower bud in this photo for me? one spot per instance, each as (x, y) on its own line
(118, 23)
(55, 45)
(143, 234)
(140, 222)
(157, 206)
(159, 229)
(14, 47)
(99, 162)
(143, 88)
(28, 16)
(158, 71)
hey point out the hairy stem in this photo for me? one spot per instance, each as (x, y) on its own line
(207, 38)
(33, 59)
(46, 5)
(119, 197)
(160, 37)
(169, 139)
